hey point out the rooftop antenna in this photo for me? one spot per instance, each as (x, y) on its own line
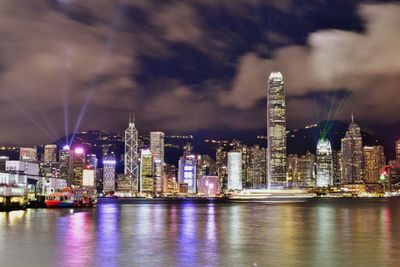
(131, 117)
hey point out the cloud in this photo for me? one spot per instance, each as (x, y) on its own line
(47, 55)
(367, 64)
(53, 51)
(179, 23)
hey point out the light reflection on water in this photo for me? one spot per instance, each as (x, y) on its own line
(316, 233)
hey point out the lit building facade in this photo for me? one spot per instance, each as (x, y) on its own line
(292, 165)
(109, 164)
(49, 169)
(324, 163)
(305, 174)
(65, 161)
(256, 167)
(28, 154)
(205, 167)
(187, 173)
(234, 170)
(221, 163)
(170, 173)
(3, 160)
(50, 153)
(337, 167)
(78, 163)
(351, 156)
(301, 170)
(124, 185)
(88, 176)
(238, 146)
(157, 149)
(131, 159)
(276, 130)
(374, 161)
(146, 172)
(209, 186)
(398, 151)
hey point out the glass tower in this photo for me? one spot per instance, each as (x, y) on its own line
(157, 149)
(324, 163)
(235, 170)
(276, 129)
(352, 155)
(131, 153)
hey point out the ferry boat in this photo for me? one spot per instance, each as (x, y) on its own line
(67, 199)
(13, 197)
(267, 194)
(60, 200)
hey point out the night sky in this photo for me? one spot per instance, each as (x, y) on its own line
(187, 66)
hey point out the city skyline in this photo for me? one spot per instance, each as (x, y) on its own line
(67, 93)
(199, 133)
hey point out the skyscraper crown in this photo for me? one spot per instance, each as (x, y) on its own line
(276, 75)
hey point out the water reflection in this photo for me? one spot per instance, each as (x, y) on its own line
(319, 233)
(187, 242)
(107, 245)
(76, 247)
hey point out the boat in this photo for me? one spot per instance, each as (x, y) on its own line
(60, 200)
(273, 195)
(68, 199)
(13, 197)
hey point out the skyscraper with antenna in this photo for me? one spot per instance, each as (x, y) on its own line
(352, 155)
(131, 153)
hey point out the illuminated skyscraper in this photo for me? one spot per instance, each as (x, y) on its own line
(50, 153)
(305, 174)
(157, 149)
(324, 163)
(398, 151)
(234, 170)
(221, 162)
(256, 168)
(65, 163)
(374, 160)
(131, 153)
(146, 172)
(170, 173)
(109, 163)
(276, 130)
(78, 163)
(89, 177)
(246, 181)
(187, 173)
(352, 153)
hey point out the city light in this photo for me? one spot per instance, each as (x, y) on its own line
(111, 162)
(199, 133)
(79, 150)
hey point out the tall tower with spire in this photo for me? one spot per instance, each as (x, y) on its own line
(276, 130)
(352, 155)
(131, 153)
